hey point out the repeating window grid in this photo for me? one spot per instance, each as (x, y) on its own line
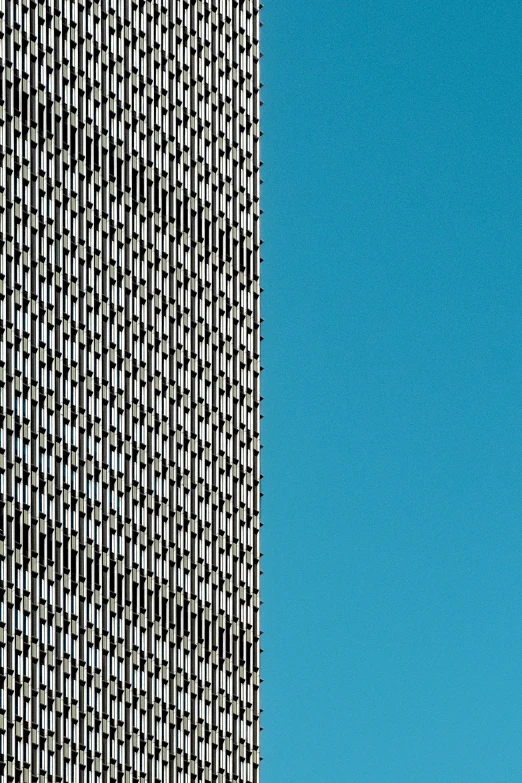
(73, 518)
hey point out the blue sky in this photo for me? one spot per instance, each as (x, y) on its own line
(393, 356)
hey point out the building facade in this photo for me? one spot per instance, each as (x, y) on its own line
(129, 391)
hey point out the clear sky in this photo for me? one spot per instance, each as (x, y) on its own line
(393, 401)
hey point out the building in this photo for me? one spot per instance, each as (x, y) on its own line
(129, 391)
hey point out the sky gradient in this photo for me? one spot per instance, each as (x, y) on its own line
(392, 414)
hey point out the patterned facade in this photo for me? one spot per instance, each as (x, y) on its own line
(129, 390)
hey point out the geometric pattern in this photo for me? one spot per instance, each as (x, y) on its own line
(129, 391)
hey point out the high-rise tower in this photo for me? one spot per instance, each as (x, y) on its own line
(129, 391)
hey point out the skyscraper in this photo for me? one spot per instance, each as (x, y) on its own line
(129, 391)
